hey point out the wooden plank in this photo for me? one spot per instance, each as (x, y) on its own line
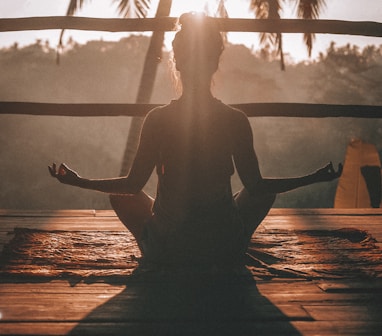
(275, 290)
(67, 227)
(365, 28)
(323, 328)
(149, 329)
(46, 213)
(74, 311)
(272, 212)
(228, 328)
(284, 299)
(325, 211)
(58, 219)
(134, 305)
(105, 213)
(58, 287)
(283, 286)
(352, 286)
(330, 328)
(325, 221)
(297, 110)
(62, 223)
(42, 328)
(338, 312)
(342, 298)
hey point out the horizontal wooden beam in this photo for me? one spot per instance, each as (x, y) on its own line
(298, 110)
(365, 28)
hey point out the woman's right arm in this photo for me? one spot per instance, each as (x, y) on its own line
(140, 172)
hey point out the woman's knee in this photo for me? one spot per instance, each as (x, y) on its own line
(253, 210)
(133, 210)
(244, 199)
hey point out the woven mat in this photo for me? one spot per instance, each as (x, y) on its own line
(345, 253)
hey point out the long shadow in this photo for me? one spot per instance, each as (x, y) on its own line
(203, 305)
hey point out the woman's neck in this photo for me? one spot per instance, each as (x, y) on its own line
(200, 92)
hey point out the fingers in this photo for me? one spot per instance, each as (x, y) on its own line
(333, 172)
(52, 170)
(340, 169)
(330, 172)
(63, 169)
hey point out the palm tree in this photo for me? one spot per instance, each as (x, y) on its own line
(153, 56)
(270, 9)
(136, 8)
(127, 8)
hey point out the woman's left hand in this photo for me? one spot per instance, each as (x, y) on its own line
(328, 173)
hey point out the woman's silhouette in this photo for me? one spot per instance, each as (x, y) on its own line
(194, 143)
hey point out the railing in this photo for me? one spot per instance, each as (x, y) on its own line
(138, 110)
(167, 24)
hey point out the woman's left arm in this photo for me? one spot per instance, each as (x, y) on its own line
(248, 167)
(281, 185)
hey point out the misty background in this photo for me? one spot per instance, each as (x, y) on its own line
(109, 72)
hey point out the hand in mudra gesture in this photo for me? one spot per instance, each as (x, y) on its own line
(328, 173)
(64, 174)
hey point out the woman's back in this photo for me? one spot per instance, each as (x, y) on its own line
(194, 210)
(195, 154)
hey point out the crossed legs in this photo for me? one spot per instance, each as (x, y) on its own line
(252, 210)
(133, 211)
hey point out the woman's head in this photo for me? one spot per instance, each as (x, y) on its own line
(198, 45)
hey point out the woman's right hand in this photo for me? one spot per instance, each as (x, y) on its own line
(64, 174)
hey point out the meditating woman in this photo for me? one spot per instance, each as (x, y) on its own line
(195, 143)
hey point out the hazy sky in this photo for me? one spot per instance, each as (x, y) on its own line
(356, 10)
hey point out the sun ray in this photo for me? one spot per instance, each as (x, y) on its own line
(180, 7)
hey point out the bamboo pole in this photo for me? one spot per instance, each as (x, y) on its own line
(298, 110)
(364, 28)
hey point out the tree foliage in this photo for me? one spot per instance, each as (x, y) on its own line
(109, 72)
(270, 9)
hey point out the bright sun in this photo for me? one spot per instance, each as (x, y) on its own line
(180, 7)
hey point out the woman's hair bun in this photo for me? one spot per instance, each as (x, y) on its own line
(192, 19)
(199, 35)
(198, 21)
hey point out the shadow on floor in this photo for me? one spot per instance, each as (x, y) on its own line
(188, 306)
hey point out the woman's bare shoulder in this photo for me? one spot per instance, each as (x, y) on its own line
(160, 111)
(234, 114)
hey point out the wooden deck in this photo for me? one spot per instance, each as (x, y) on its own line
(278, 306)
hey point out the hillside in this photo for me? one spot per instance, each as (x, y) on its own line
(110, 72)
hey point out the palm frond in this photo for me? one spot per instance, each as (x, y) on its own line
(260, 8)
(133, 8)
(309, 10)
(222, 12)
(279, 42)
(269, 9)
(74, 6)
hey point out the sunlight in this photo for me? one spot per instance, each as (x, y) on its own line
(180, 7)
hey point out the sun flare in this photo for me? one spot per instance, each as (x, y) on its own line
(180, 7)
